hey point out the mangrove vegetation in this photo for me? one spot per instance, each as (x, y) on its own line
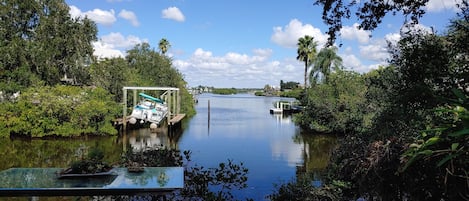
(404, 128)
(51, 84)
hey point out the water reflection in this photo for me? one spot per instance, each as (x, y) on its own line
(282, 148)
(316, 154)
(282, 119)
(54, 152)
(146, 138)
(309, 152)
(240, 128)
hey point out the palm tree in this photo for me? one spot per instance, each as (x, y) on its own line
(306, 52)
(326, 60)
(164, 45)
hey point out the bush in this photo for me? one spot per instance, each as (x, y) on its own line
(59, 111)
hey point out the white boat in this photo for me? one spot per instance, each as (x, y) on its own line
(281, 107)
(150, 109)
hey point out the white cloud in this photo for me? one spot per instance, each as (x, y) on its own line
(103, 50)
(101, 16)
(393, 37)
(130, 16)
(377, 51)
(255, 70)
(442, 5)
(173, 13)
(119, 41)
(288, 36)
(354, 33)
(351, 62)
(74, 11)
(415, 28)
(97, 15)
(115, 45)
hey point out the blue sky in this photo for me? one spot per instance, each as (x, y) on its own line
(240, 43)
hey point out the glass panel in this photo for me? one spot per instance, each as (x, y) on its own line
(15, 180)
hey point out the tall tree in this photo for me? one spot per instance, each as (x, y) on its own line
(40, 41)
(67, 41)
(326, 60)
(111, 74)
(164, 45)
(306, 52)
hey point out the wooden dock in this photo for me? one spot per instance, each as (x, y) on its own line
(176, 119)
(171, 122)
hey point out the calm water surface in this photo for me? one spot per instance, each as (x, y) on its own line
(236, 127)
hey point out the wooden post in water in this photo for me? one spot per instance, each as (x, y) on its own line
(208, 108)
(124, 110)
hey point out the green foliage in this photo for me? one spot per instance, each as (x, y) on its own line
(302, 189)
(335, 107)
(445, 149)
(306, 53)
(152, 158)
(92, 163)
(164, 45)
(224, 91)
(146, 67)
(389, 157)
(394, 159)
(214, 183)
(42, 46)
(96, 154)
(326, 61)
(35, 153)
(60, 111)
(295, 93)
(39, 41)
(227, 177)
(369, 13)
(112, 75)
(288, 85)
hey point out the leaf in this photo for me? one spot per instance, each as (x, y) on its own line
(454, 146)
(459, 133)
(410, 162)
(446, 159)
(459, 94)
(431, 141)
(426, 152)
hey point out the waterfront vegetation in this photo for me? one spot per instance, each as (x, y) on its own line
(201, 183)
(224, 91)
(404, 128)
(52, 85)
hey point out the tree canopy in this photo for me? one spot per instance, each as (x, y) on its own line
(404, 126)
(42, 48)
(41, 43)
(164, 45)
(370, 13)
(306, 53)
(326, 61)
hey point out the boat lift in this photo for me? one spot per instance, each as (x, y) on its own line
(171, 96)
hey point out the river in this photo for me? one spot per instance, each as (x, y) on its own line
(235, 127)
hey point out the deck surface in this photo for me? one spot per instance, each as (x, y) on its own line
(176, 119)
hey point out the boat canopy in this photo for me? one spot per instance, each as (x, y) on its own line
(151, 98)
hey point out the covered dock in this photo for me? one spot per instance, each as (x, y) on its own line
(170, 95)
